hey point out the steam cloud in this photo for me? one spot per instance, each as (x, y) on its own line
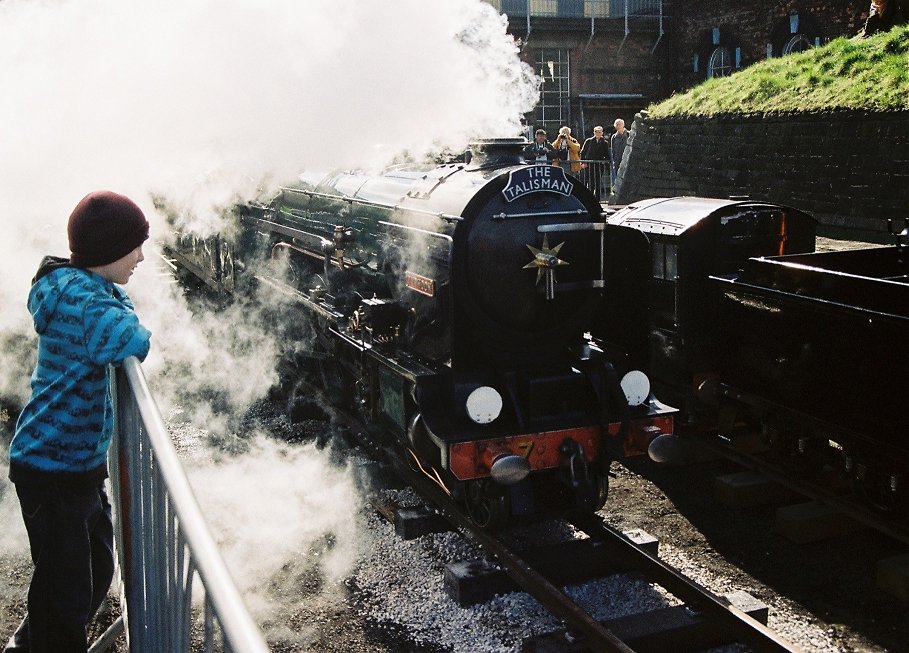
(284, 519)
(204, 102)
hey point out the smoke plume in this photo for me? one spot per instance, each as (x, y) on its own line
(204, 102)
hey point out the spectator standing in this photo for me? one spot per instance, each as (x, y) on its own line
(539, 151)
(568, 149)
(58, 455)
(617, 146)
(595, 154)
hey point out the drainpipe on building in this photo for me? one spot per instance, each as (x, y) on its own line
(592, 31)
(527, 38)
(627, 29)
(653, 49)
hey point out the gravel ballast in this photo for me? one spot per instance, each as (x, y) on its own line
(346, 582)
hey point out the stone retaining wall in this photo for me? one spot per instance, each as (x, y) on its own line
(848, 169)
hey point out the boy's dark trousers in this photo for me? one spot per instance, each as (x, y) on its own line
(71, 539)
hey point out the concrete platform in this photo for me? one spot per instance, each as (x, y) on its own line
(811, 522)
(749, 488)
(893, 576)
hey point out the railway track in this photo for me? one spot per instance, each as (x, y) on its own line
(890, 524)
(704, 621)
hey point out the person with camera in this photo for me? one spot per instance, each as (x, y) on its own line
(567, 149)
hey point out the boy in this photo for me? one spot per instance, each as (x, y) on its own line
(58, 455)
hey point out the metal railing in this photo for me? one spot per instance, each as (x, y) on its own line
(163, 542)
(595, 174)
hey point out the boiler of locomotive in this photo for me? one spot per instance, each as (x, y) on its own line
(496, 260)
(526, 266)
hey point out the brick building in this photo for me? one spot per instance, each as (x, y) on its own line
(606, 59)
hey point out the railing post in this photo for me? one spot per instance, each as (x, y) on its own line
(162, 538)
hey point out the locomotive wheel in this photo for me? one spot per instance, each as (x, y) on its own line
(602, 482)
(802, 460)
(487, 504)
(592, 496)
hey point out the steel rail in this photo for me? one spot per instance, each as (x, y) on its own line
(597, 637)
(755, 634)
(851, 508)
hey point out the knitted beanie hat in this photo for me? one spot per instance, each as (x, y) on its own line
(103, 228)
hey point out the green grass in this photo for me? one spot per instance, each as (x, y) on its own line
(853, 73)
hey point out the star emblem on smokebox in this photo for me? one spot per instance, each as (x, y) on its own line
(545, 260)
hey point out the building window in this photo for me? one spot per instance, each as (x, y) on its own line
(798, 43)
(596, 8)
(552, 67)
(579, 8)
(720, 64)
(544, 8)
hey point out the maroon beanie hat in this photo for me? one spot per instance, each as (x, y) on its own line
(103, 228)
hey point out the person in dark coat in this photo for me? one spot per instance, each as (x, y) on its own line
(539, 151)
(595, 157)
(617, 146)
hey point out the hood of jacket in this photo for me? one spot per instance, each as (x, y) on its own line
(53, 276)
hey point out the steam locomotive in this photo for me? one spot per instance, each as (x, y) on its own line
(498, 327)
(749, 330)
(452, 306)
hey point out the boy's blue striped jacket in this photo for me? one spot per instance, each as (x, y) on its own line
(84, 323)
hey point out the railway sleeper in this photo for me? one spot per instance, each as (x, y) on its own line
(469, 582)
(678, 628)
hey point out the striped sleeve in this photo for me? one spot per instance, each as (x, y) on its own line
(113, 332)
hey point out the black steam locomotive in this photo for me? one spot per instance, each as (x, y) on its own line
(750, 330)
(692, 239)
(452, 306)
(491, 320)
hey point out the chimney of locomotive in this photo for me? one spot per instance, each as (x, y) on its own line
(497, 151)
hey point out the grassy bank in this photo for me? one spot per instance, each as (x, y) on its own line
(853, 73)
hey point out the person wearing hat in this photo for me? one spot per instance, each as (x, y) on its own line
(58, 455)
(539, 151)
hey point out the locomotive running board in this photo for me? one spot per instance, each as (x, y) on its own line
(400, 363)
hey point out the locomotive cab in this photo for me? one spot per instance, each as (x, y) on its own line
(692, 238)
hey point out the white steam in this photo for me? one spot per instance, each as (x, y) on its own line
(282, 515)
(203, 102)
